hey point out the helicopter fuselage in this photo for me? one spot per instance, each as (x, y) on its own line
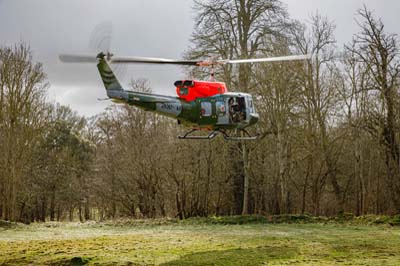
(222, 111)
(218, 110)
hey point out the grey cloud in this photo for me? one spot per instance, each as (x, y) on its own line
(155, 28)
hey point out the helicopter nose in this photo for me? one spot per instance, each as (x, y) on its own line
(253, 119)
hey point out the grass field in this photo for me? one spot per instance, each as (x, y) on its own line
(193, 243)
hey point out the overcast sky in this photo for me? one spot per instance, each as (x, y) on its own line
(155, 28)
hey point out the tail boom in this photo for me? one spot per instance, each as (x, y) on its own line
(165, 105)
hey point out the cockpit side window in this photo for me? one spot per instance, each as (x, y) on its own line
(206, 109)
(221, 110)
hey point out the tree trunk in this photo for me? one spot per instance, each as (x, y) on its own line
(71, 214)
(245, 208)
(59, 213)
(52, 204)
(237, 165)
(87, 209)
(43, 209)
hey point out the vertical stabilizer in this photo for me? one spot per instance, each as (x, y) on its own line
(107, 75)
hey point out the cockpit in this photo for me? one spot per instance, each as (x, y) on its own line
(237, 109)
(241, 108)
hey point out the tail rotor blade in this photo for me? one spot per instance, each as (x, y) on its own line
(101, 36)
(101, 40)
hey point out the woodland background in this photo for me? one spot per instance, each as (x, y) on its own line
(333, 127)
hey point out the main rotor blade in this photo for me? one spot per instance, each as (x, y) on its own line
(77, 58)
(268, 59)
(151, 60)
(82, 58)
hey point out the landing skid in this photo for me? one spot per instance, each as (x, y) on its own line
(214, 133)
(188, 136)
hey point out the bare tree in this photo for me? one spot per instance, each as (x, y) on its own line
(378, 52)
(22, 87)
(237, 29)
(320, 102)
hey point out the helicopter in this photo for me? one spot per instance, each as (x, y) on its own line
(199, 105)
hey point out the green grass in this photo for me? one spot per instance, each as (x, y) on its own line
(213, 241)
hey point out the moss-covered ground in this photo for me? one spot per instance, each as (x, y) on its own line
(199, 242)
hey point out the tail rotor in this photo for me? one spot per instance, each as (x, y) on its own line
(100, 38)
(100, 46)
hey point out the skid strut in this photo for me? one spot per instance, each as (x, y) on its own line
(214, 133)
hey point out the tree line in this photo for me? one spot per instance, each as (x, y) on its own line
(331, 124)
